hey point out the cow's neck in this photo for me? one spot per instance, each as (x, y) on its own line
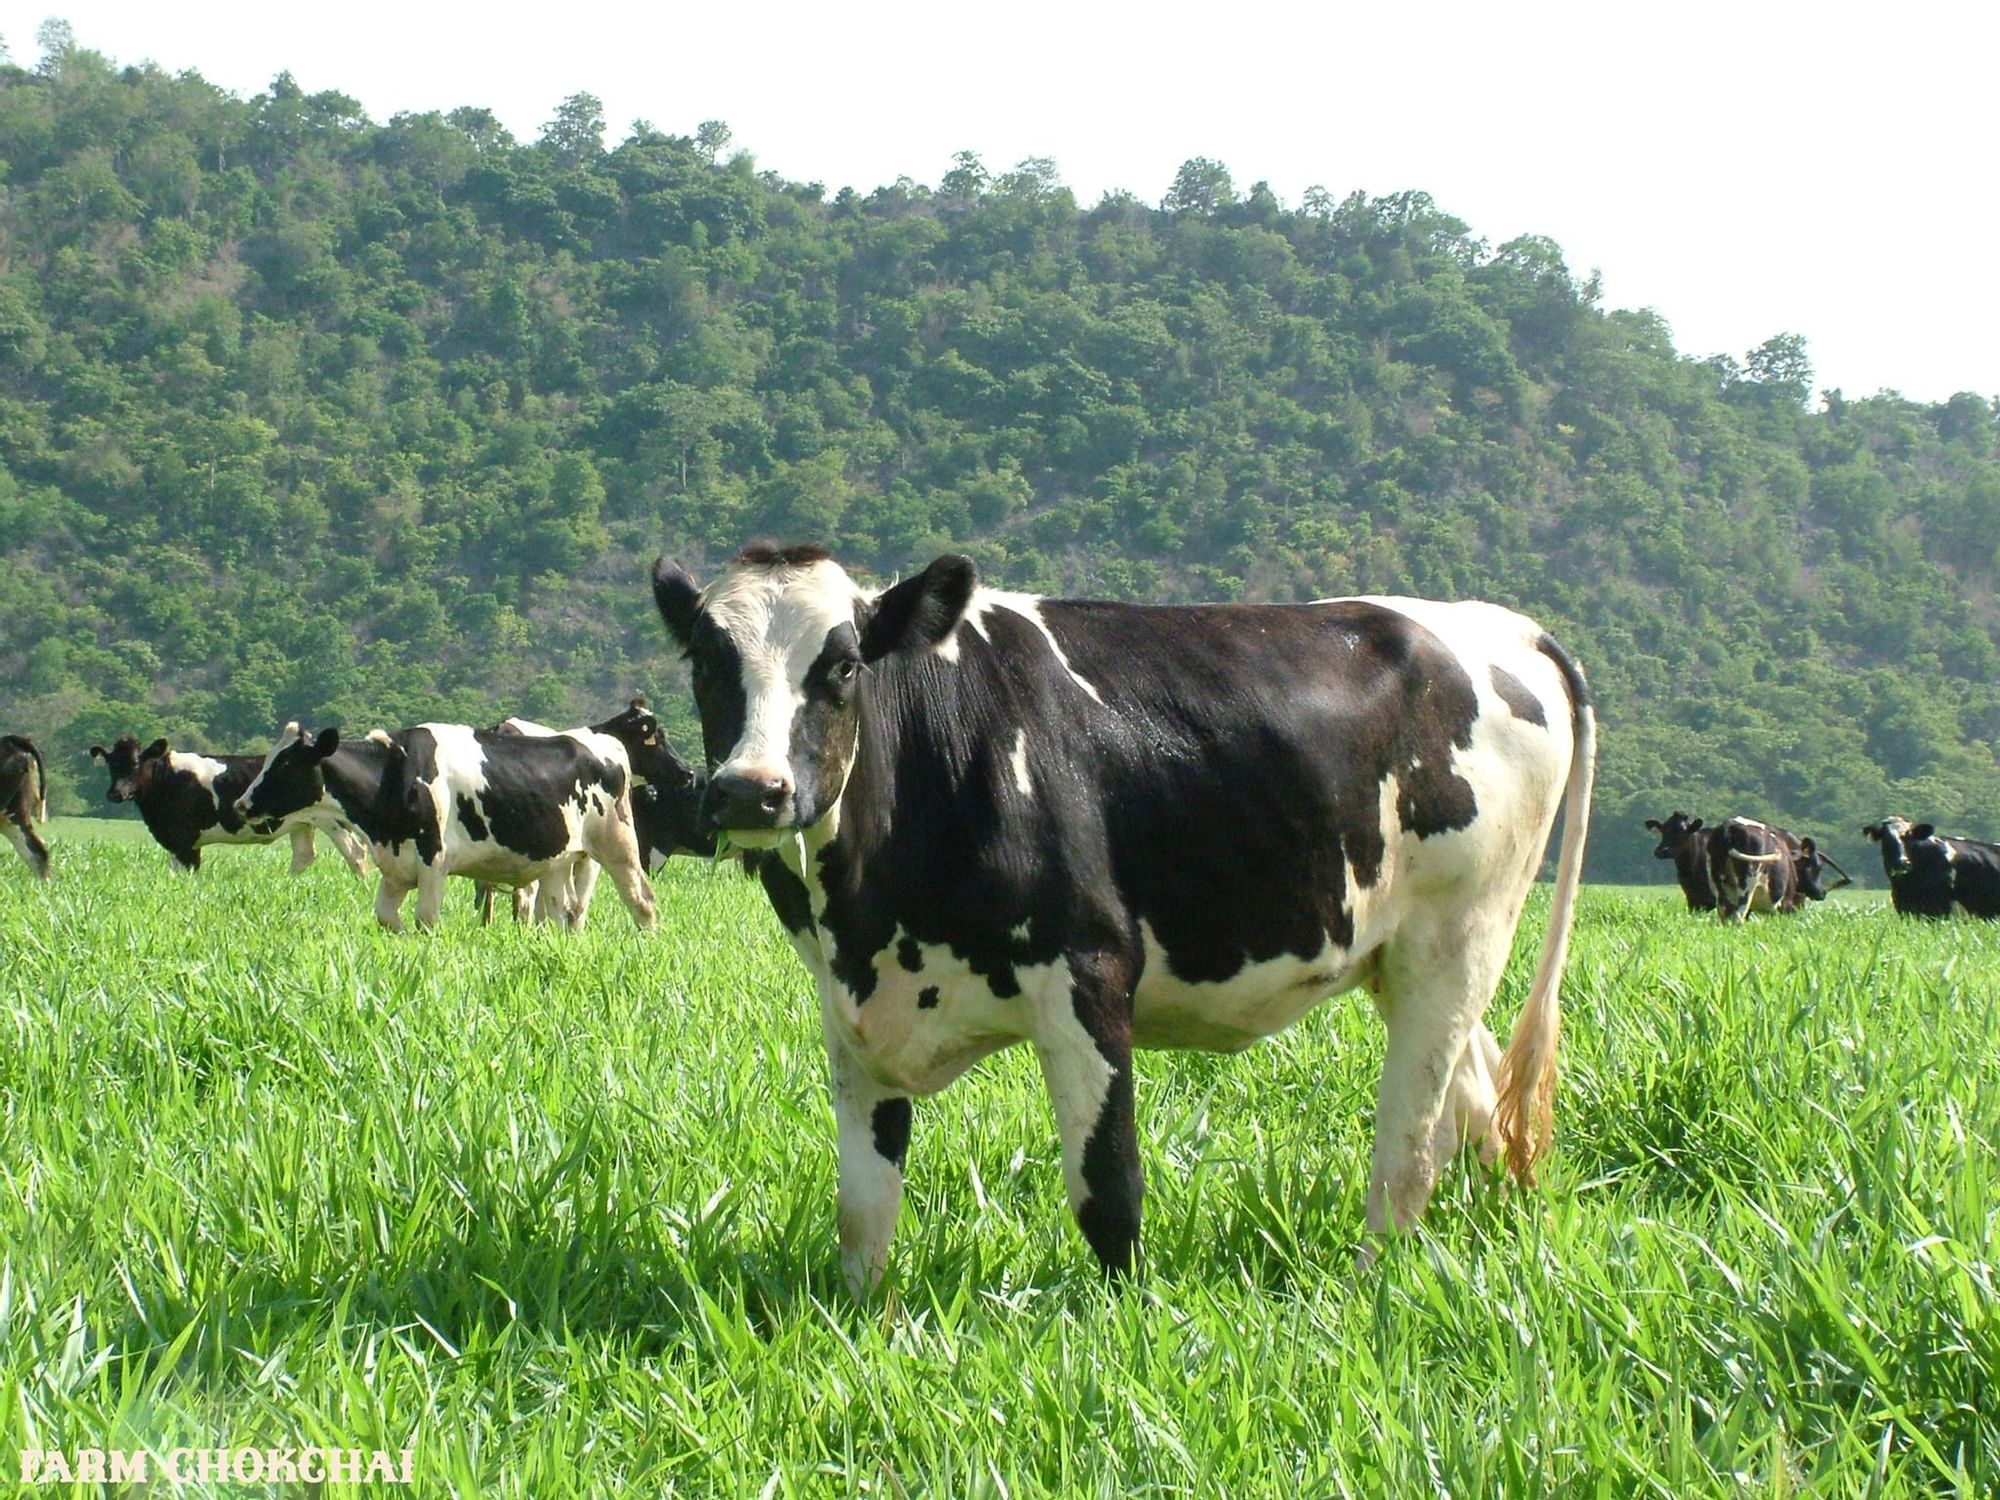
(352, 776)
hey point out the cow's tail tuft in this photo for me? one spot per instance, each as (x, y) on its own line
(1524, 1116)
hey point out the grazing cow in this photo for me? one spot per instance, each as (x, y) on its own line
(1930, 873)
(24, 793)
(669, 821)
(1685, 841)
(664, 803)
(189, 802)
(1755, 866)
(989, 818)
(445, 799)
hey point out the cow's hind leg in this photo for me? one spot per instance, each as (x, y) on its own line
(613, 845)
(21, 834)
(1438, 1073)
(303, 852)
(430, 893)
(582, 883)
(872, 1126)
(1083, 1039)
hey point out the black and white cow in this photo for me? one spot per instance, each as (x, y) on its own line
(445, 799)
(1929, 873)
(188, 802)
(24, 792)
(989, 818)
(665, 804)
(1755, 866)
(1685, 841)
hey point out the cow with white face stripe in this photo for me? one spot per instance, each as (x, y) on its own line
(188, 802)
(989, 818)
(444, 799)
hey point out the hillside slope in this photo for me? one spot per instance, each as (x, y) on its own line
(306, 415)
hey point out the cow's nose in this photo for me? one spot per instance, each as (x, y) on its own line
(747, 801)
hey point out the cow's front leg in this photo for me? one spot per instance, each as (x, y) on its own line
(302, 848)
(1084, 1042)
(389, 894)
(873, 1127)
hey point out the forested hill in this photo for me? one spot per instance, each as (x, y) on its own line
(303, 415)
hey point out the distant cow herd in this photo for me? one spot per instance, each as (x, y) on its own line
(985, 818)
(1743, 865)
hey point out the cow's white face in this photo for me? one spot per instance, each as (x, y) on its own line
(778, 646)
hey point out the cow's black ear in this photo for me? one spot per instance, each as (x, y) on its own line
(1872, 831)
(678, 599)
(1807, 845)
(1654, 824)
(1923, 831)
(98, 752)
(323, 744)
(919, 612)
(154, 751)
(1693, 824)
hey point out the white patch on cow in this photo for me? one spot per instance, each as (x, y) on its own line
(1019, 761)
(1255, 1002)
(200, 767)
(779, 629)
(1029, 608)
(915, 1049)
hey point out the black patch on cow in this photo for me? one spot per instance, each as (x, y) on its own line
(891, 1123)
(528, 779)
(1115, 1182)
(910, 954)
(468, 815)
(823, 728)
(1514, 693)
(717, 674)
(787, 893)
(927, 997)
(667, 820)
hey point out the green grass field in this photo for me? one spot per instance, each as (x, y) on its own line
(559, 1214)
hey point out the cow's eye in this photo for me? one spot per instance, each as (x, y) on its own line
(844, 672)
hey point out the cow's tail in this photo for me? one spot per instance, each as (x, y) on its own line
(1524, 1116)
(34, 751)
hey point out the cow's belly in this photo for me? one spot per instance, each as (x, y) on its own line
(498, 865)
(917, 1031)
(215, 833)
(1229, 1015)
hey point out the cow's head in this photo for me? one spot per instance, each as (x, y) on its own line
(130, 767)
(1673, 833)
(652, 758)
(778, 646)
(1810, 866)
(1896, 835)
(290, 780)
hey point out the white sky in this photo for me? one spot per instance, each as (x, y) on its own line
(1743, 169)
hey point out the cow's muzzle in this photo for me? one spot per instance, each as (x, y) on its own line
(735, 803)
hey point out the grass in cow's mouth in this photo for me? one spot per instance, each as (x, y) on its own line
(559, 1213)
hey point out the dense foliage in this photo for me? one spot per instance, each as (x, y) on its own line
(306, 415)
